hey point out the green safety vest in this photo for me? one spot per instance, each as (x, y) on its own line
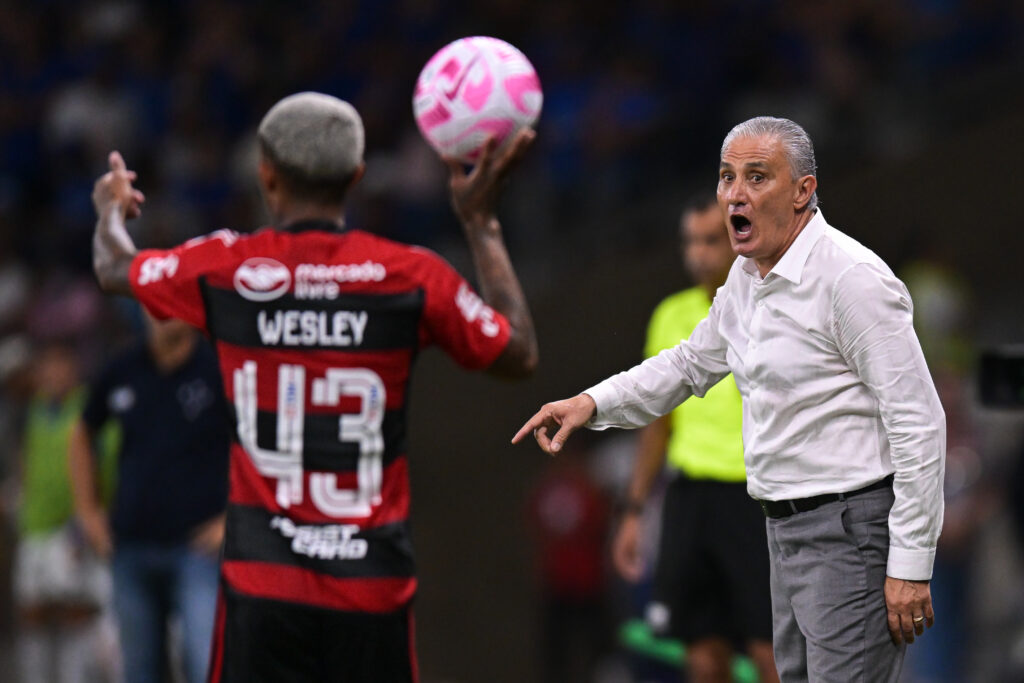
(46, 502)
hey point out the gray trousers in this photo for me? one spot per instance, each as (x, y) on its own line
(828, 606)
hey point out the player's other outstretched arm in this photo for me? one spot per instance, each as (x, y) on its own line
(474, 198)
(112, 248)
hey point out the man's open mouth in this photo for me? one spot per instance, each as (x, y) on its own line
(741, 224)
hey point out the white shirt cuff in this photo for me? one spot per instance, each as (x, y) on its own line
(605, 397)
(910, 565)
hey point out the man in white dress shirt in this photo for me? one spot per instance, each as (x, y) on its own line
(844, 437)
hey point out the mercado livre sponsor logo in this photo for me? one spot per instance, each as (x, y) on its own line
(323, 281)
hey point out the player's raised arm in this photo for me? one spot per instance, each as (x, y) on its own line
(112, 248)
(474, 198)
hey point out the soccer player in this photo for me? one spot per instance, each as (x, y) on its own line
(316, 326)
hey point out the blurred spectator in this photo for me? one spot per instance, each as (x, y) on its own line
(942, 304)
(96, 113)
(14, 288)
(60, 585)
(164, 533)
(972, 500)
(65, 304)
(942, 310)
(568, 515)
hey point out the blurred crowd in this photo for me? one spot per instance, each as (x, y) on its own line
(637, 97)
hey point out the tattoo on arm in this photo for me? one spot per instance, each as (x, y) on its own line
(112, 252)
(501, 289)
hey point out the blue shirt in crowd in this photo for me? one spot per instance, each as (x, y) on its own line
(173, 465)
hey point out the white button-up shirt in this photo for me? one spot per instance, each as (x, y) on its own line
(836, 393)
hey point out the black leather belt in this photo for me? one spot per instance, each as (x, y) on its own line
(785, 508)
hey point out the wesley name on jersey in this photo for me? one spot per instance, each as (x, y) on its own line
(311, 328)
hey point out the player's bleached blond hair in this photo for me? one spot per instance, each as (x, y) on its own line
(316, 141)
(796, 144)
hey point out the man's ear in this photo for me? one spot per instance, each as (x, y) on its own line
(270, 185)
(357, 175)
(268, 177)
(805, 188)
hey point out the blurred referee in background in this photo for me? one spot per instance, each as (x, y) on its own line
(711, 576)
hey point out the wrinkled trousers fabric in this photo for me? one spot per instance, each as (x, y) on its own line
(828, 603)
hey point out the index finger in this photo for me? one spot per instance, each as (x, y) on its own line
(515, 149)
(116, 162)
(531, 424)
(486, 160)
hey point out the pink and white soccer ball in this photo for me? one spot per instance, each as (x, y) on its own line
(471, 90)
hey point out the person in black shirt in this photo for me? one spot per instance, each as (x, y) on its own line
(164, 532)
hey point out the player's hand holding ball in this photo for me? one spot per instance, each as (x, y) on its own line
(475, 195)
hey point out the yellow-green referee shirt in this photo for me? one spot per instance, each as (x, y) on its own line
(707, 433)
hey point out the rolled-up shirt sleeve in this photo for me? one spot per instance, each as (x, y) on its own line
(873, 326)
(642, 394)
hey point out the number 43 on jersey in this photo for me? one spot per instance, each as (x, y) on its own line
(285, 463)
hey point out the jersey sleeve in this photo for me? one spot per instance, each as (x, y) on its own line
(458, 320)
(166, 281)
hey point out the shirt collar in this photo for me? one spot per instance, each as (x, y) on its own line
(791, 265)
(313, 224)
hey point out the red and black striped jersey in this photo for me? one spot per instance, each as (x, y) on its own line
(316, 332)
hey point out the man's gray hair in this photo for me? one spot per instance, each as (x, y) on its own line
(796, 144)
(316, 138)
